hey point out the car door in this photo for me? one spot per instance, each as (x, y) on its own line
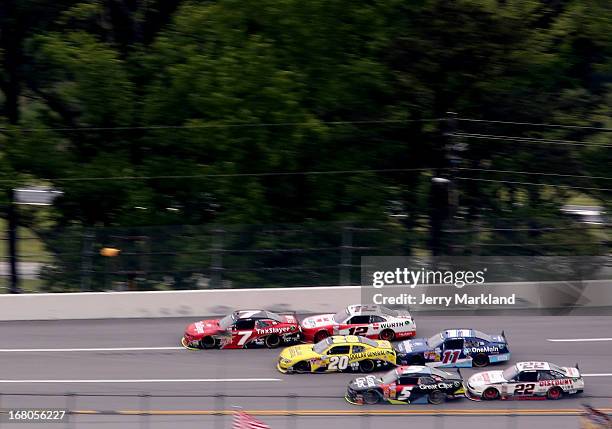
(452, 351)
(375, 324)
(242, 331)
(356, 325)
(406, 387)
(523, 384)
(337, 358)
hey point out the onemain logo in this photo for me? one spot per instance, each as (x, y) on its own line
(487, 349)
(412, 278)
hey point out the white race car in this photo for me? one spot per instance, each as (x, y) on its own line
(371, 321)
(525, 380)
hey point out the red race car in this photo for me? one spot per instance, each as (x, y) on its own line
(372, 321)
(243, 329)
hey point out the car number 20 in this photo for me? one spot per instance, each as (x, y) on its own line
(338, 363)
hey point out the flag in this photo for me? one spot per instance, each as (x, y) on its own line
(243, 420)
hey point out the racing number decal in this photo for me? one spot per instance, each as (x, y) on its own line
(524, 389)
(244, 336)
(404, 395)
(450, 356)
(360, 330)
(338, 363)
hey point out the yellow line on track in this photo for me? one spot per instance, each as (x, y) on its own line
(456, 412)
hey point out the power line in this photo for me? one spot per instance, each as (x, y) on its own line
(527, 139)
(535, 124)
(534, 184)
(223, 125)
(534, 173)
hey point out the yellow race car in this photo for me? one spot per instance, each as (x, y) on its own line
(336, 354)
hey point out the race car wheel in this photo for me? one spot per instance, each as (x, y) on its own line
(367, 365)
(436, 397)
(554, 393)
(320, 336)
(301, 367)
(208, 343)
(387, 335)
(371, 397)
(480, 360)
(273, 341)
(490, 394)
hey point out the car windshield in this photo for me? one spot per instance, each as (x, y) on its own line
(554, 367)
(510, 373)
(483, 336)
(321, 346)
(435, 341)
(341, 316)
(227, 321)
(389, 377)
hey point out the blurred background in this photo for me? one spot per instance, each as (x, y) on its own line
(160, 144)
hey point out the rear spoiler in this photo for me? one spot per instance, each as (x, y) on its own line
(577, 367)
(459, 372)
(503, 334)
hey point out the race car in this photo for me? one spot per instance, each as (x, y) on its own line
(457, 348)
(371, 321)
(406, 385)
(526, 380)
(243, 329)
(337, 354)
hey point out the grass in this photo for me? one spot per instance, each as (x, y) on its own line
(29, 246)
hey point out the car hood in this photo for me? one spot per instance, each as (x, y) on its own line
(203, 327)
(318, 321)
(364, 383)
(416, 345)
(299, 352)
(486, 378)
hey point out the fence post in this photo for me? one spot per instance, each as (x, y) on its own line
(86, 260)
(346, 255)
(292, 400)
(220, 408)
(216, 259)
(70, 407)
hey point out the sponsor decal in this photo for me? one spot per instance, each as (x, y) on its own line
(441, 385)
(394, 324)
(274, 330)
(485, 349)
(365, 382)
(199, 327)
(559, 382)
(368, 354)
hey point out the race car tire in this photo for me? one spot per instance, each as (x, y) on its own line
(436, 397)
(554, 393)
(490, 394)
(320, 336)
(301, 367)
(387, 335)
(273, 341)
(371, 397)
(480, 360)
(208, 343)
(367, 365)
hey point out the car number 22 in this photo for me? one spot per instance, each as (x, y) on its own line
(338, 363)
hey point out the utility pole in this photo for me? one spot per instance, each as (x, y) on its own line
(11, 215)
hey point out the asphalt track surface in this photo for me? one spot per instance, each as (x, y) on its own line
(250, 380)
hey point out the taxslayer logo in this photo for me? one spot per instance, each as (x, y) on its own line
(561, 382)
(274, 330)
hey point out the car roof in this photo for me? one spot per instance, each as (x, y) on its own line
(460, 333)
(257, 314)
(532, 365)
(357, 309)
(413, 369)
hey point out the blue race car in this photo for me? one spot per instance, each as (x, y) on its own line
(459, 348)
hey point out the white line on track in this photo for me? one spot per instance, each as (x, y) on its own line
(106, 349)
(154, 380)
(603, 374)
(576, 340)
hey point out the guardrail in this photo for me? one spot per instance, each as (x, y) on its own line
(568, 296)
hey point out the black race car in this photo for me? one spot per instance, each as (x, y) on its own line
(406, 385)
(456, 348)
